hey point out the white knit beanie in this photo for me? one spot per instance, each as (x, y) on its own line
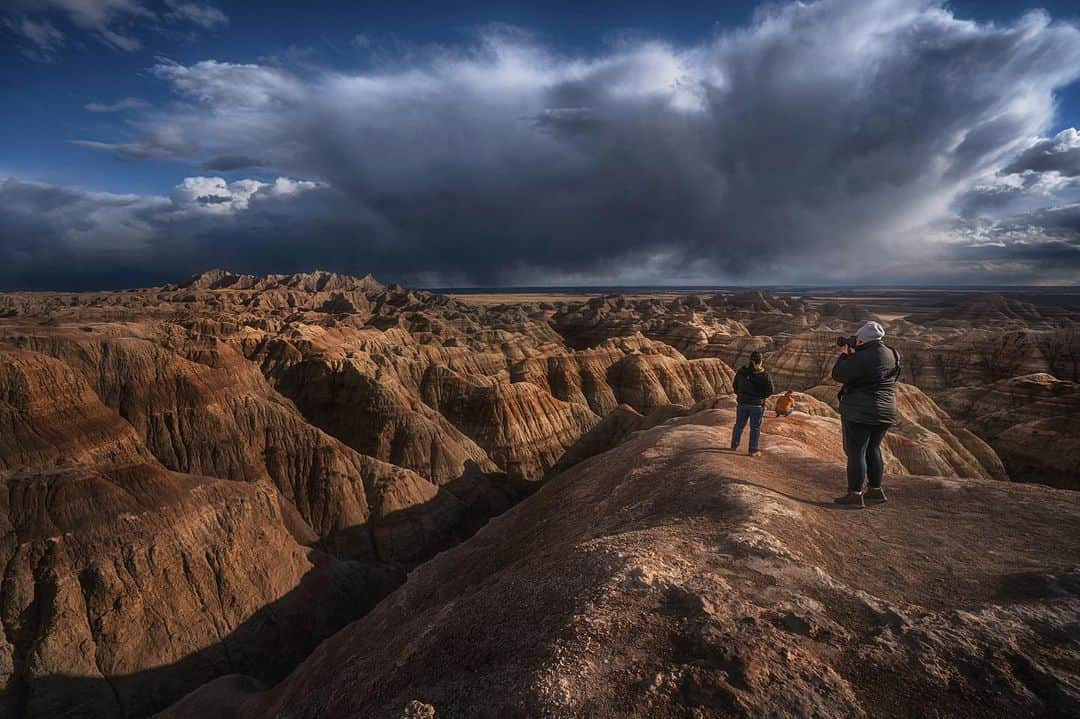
(870, 331)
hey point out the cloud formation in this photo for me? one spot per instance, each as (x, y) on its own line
(206, 16)
(127, 103)
(41, 40)
(817, 144)
(61, 237)
(112, 22)
(1060, 154)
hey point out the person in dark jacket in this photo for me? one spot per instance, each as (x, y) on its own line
(753, 386)
(867, 409)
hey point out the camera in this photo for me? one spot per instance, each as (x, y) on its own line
(846, 341)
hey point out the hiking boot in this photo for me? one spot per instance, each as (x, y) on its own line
(851, 499)
(756, 453)
(876, 494)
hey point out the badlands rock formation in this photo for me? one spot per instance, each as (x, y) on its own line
(925, 440)
(970, 343)
(204, 480)
(989, 308)
(297, 434)
(1032, 422)
(200, 407)
(668, 578)
(126, 584)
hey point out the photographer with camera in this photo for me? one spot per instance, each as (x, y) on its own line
(869, 370)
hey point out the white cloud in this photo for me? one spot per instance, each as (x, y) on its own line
(284, 186)
(218, 196)
(222, 86)
(214, 194)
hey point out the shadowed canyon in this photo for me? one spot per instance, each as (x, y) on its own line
(317, 495)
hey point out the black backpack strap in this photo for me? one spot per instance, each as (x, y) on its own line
(899, 367)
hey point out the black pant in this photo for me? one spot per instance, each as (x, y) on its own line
(862, 445)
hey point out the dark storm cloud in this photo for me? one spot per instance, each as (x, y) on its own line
(1007, 194)
(1043, 261)
(62, 238)
(811, 143)
(1061, 220)
(230, 163)
(1040, 246)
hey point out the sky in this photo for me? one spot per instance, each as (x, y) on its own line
(526, 143)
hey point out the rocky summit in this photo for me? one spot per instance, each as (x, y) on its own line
(317, 495)
(669, 578)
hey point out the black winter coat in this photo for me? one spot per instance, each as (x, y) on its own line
(753, 387)
(869, 378)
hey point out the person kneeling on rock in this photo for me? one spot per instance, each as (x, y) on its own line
(785, 405)
(868, 370)
(753, 386)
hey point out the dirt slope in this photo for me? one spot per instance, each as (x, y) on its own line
(670, 578)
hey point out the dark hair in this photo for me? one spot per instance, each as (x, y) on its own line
(756, 357)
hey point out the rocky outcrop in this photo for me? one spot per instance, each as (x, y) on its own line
(926, 440)
(578, 377)
(51, 418)
(1033, 422)
(938, 361)
(215, 415)
(375, 415)
(648, 381)
(310, 282)
(582, 376)
(669, 578)
(521, 427)
(803, 360)
(684, 323)
(796, 362)
(125, 584)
